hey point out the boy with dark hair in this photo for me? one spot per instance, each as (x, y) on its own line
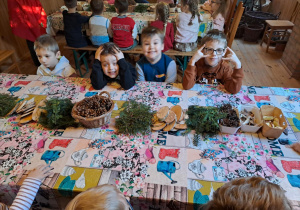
(155, 66)
(209, 64)
(100, 28)
(123, 27)
(109, 66)
(72, 23)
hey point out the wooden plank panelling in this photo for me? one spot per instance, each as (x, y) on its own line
(286, 8)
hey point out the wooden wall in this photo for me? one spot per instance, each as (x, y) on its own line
(286, 7)
(8, 40)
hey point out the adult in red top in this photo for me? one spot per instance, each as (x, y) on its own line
(28, 20)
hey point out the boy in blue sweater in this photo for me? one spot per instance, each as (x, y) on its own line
(155, 66)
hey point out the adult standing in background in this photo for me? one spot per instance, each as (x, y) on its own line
(28, 20)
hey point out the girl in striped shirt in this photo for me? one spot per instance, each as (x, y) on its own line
(29, 188)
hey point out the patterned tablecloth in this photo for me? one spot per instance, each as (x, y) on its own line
(96, 156)
(55, 21)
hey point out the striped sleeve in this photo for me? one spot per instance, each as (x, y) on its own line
(26, 194)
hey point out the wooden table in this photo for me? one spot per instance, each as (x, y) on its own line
(279, 27)
(101, 156)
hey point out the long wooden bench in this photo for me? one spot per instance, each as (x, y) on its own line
(136, 50)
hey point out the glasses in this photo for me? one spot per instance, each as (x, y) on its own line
(210, 51)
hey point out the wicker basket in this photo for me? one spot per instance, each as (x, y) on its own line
(258, 18)
(240, 30)
(252, 32)
(94, 122)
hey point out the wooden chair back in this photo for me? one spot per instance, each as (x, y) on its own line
(229, 15)
(235, 23)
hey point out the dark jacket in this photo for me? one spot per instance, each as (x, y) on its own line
(72, 28)
(126, 77)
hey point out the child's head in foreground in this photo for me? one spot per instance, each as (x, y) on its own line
(251, 193)
(104, 197)
(215, 45)
(97, 7)
(121, 6)
(47, 51)
(152, 43)
(70, 3)
(108, 60)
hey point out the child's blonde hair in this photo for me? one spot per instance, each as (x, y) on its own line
(46, 42)
(193, 8)
(224, 4)
(162, 13)
(248, 194)
(104, 197)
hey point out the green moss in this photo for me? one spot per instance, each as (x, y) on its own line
(111, 8)
(141, 8)
(58, 114)
(134, 118)
(204, 120)
(7, 103)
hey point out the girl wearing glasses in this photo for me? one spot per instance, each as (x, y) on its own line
(208, 65)
(218, 9)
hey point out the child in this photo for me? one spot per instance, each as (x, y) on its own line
(47, 51)
(218, 9)
(102, 198)
(110, 65)
(207, 64)
(123, 27)
(29, 188)
(187, 26)
(155, 66)
(99, 26)
(248, 194)
(162, 12)
(72, 24)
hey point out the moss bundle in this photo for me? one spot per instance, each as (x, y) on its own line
(58, 114)
(204, 120)
(134, 118)
(7, 103)
(141, 8)
(111, 8)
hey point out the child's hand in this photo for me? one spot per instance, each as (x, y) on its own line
(232, 58)
(41, 172)
(98, 53)
(197, 56)
(118, 53)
